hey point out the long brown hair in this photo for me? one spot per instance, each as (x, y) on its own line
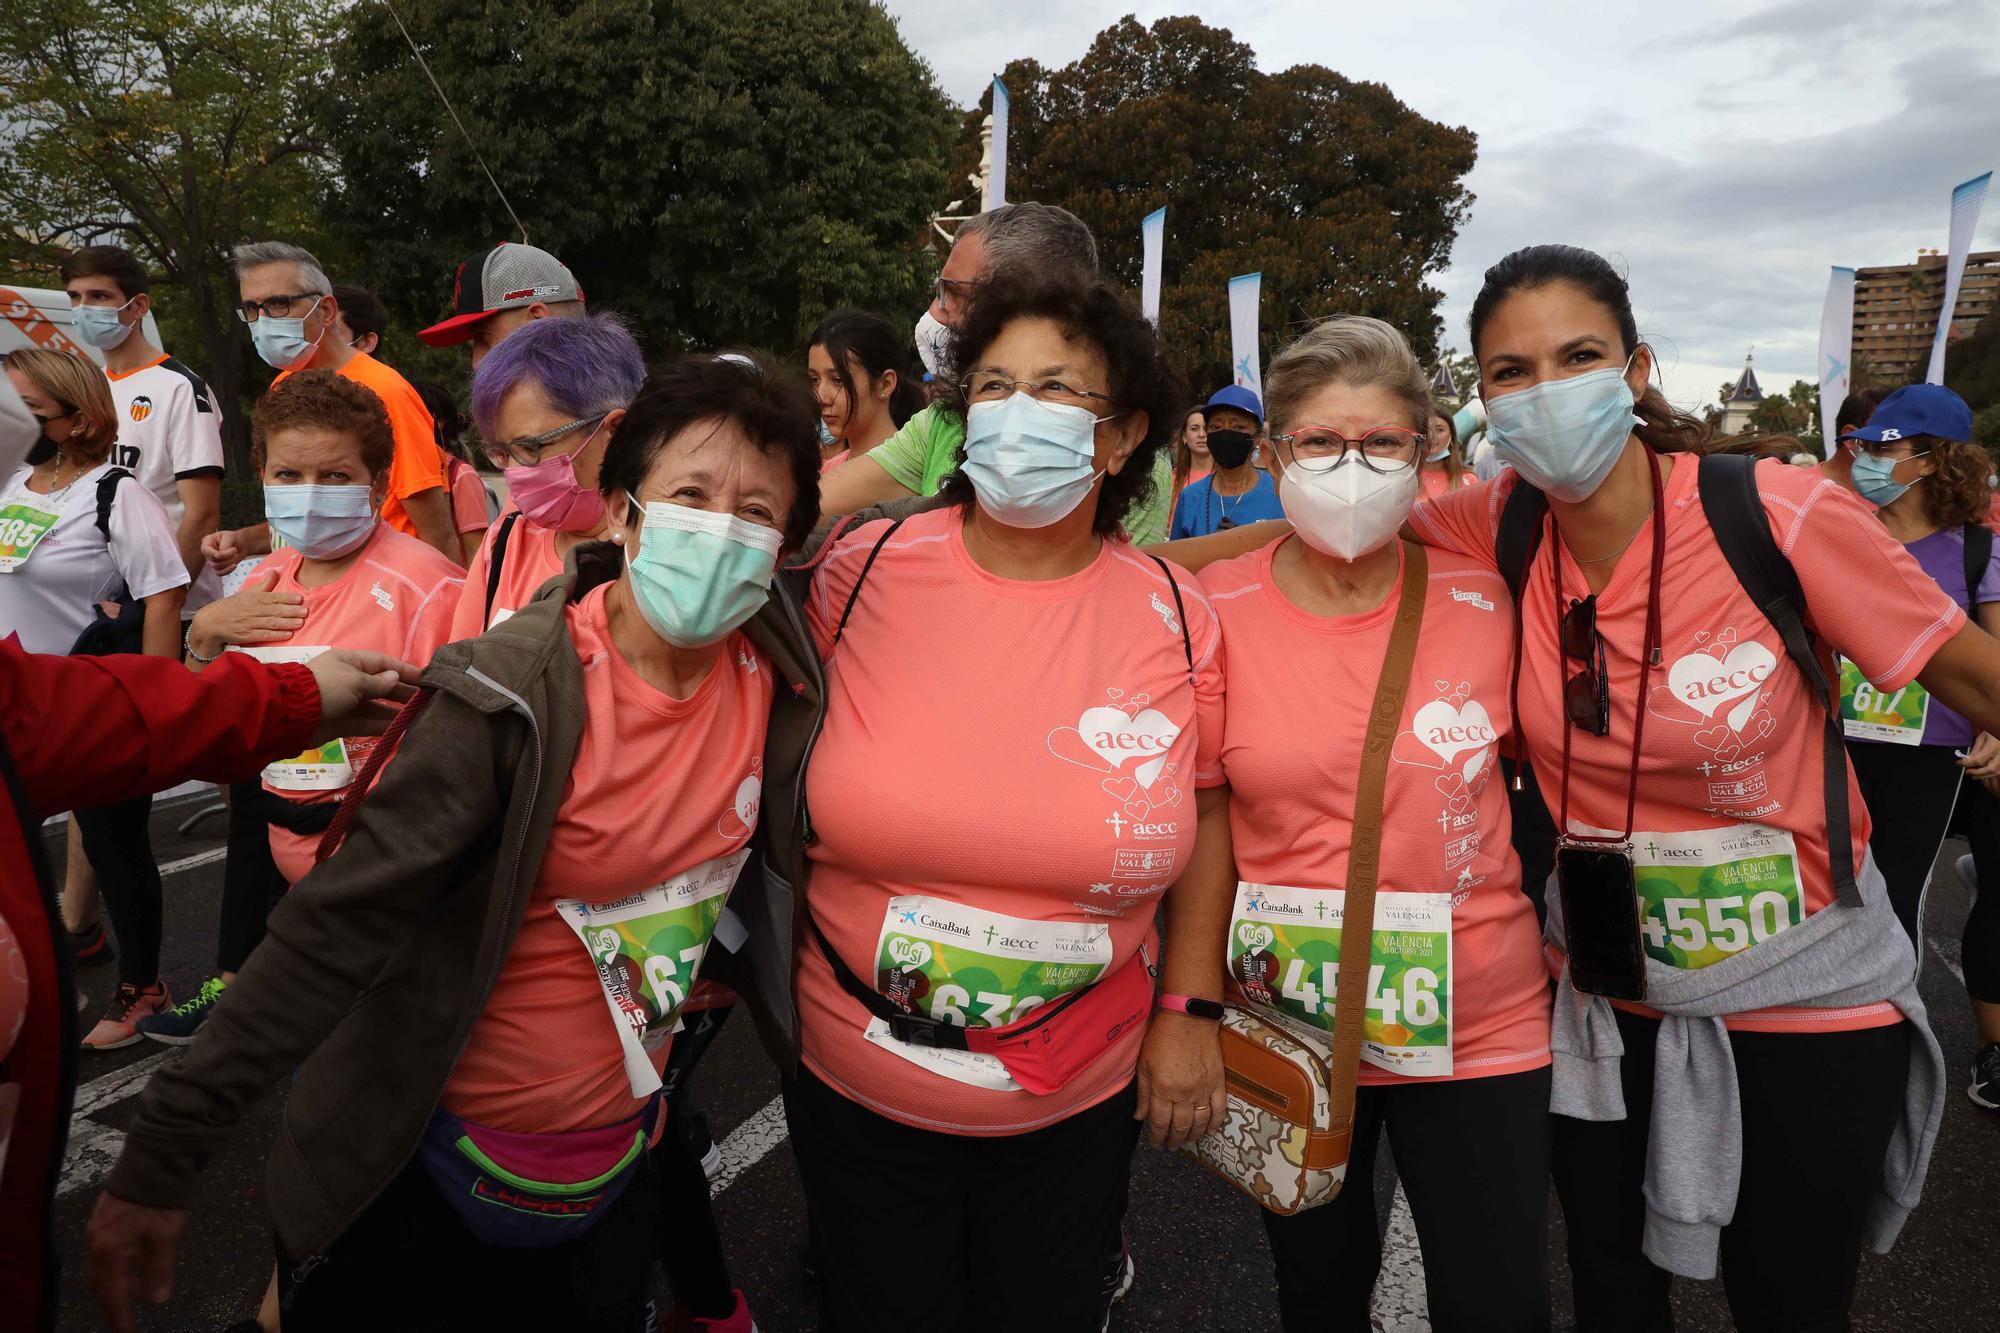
(81, 388)
(1454, 457)
(1661, 425)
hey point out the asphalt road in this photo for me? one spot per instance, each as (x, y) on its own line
(1200, 1251)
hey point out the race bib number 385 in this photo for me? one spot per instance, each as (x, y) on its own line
(22, 527)
(1284, 950)
(1708, 894)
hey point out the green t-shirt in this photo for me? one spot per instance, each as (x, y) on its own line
(925, 451)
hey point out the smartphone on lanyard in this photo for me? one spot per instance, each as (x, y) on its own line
(1600, 908)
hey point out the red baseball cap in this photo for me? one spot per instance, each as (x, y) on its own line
(506, 277)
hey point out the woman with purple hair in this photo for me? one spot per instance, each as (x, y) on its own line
(546, 401)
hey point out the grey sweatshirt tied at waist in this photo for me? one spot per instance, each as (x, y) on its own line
(1836, 958)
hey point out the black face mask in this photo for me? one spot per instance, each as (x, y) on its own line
(44, 448)
(1229, 448)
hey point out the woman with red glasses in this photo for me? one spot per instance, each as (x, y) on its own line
(1741, 1060)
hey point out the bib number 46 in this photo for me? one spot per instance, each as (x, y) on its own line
(1413, 1002)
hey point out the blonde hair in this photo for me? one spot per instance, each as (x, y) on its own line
(1354, 350)
(79, 386)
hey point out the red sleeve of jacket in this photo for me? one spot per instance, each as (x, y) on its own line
(94, 730)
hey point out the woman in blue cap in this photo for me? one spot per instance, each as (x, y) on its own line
(1913, 462)
(1236, 492)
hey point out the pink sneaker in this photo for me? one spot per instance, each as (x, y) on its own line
(128, 1005)
(679, 1320)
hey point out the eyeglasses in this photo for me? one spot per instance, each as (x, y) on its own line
(1896, 449)
(1587, 694)
(990, 386)
(277, 307)
(957, 289)
(1320, 449)
(526, 450)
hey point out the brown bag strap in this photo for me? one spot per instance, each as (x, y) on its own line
(1364, 856)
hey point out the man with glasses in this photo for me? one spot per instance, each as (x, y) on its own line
(918, 457)
(1236, 491)
(292, 314)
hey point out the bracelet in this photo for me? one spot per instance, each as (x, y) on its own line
(1191, 1006)
(187, 646)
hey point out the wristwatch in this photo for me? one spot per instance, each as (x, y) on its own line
(1189, 1005)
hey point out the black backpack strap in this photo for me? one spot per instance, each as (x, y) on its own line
(1735, 511)
(107, 491)
(1978, 555)
(1180, 610)
(496, 559)
(1520, 535)
(855, 592)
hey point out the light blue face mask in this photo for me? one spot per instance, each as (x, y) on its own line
(1030, 462)
(1564, 436)
(323, 522)
(282, 342)
(98, 325)
(697, 574)
(1873, 480)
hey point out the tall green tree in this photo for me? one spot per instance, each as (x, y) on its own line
(1343, 197)
(720, 173)
(1972, 365)
(175, 128)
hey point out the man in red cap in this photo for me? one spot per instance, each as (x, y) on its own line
(498, 290)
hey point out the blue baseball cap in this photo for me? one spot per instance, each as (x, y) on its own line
(1236, 396)
(1917, 409)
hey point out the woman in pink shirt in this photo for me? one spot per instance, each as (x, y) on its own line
(1019, 709)
(1457, 1031)
(1444, 466)
(1742, 1062)
(546, 401)
(479, 989)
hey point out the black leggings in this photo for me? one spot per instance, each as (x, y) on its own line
(1979, 820)
(1818, 1110)
(690, 1242)
(956, 1233)
(408, 1262)
(1909, 790)
(251, 884)
(118, 841)
(1473, 1158)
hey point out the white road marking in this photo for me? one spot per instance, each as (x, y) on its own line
(1948, 954)
(747, 1144)
(209, 857)
(1400, 1305)
(93, 1148)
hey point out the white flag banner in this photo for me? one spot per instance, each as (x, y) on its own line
(996, 171)
(1965, 204)
(1244, 294)
(1836, 352)
(1153, 237)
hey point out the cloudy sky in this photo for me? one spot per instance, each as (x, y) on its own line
(1725, 153)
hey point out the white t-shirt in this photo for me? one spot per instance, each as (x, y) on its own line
(47, 598)
(169, 427)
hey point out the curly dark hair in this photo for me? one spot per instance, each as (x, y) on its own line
(769, 402)
(1956, 493)
(331, 401)
(1088, 308)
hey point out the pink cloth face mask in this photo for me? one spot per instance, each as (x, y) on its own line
(548, 495)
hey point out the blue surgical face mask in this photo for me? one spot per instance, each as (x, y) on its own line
(1031, 463)
(99, 325)
(697, 574)
(1564, 436)
(282, 342)
(323, 522)
(1872, 479)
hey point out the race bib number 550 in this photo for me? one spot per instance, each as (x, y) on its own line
(1709, 894)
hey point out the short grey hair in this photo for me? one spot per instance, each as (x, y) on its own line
(256, 254)
(1040, 234)
(1347, 349)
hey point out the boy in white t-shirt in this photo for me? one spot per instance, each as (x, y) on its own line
(169, 422)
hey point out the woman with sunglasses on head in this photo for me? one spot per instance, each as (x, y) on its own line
(1742, 1061)
(1018, 708)
(546, 401)
(1913, 463)
(1458, 1025)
